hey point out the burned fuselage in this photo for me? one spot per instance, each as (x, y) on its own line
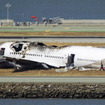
(32, 55)
(36, 54)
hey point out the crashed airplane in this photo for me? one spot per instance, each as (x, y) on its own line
(31, 55)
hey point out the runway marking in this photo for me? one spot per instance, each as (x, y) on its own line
(66, 28)
(47, 30)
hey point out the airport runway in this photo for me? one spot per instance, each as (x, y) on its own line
(57, 39)
(56, 28)
(55, 79)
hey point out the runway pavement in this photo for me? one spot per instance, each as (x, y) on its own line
(55, 28)
(73, 79)
(57, 39)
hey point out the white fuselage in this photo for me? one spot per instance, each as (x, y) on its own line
(57, 57)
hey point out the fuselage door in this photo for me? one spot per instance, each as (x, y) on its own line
(70, 60)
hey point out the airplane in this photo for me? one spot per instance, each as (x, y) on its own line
(36, 54)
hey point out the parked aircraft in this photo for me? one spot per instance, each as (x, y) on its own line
(35, 54)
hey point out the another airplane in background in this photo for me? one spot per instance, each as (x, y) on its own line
(25, 54)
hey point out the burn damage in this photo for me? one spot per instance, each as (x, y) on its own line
(26, 45)
(22, 47)
(23, 55)
(41, 46)
(19, 46)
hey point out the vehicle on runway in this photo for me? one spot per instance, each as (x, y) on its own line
(31, 55)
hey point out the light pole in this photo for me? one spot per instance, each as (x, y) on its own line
(8, 5)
